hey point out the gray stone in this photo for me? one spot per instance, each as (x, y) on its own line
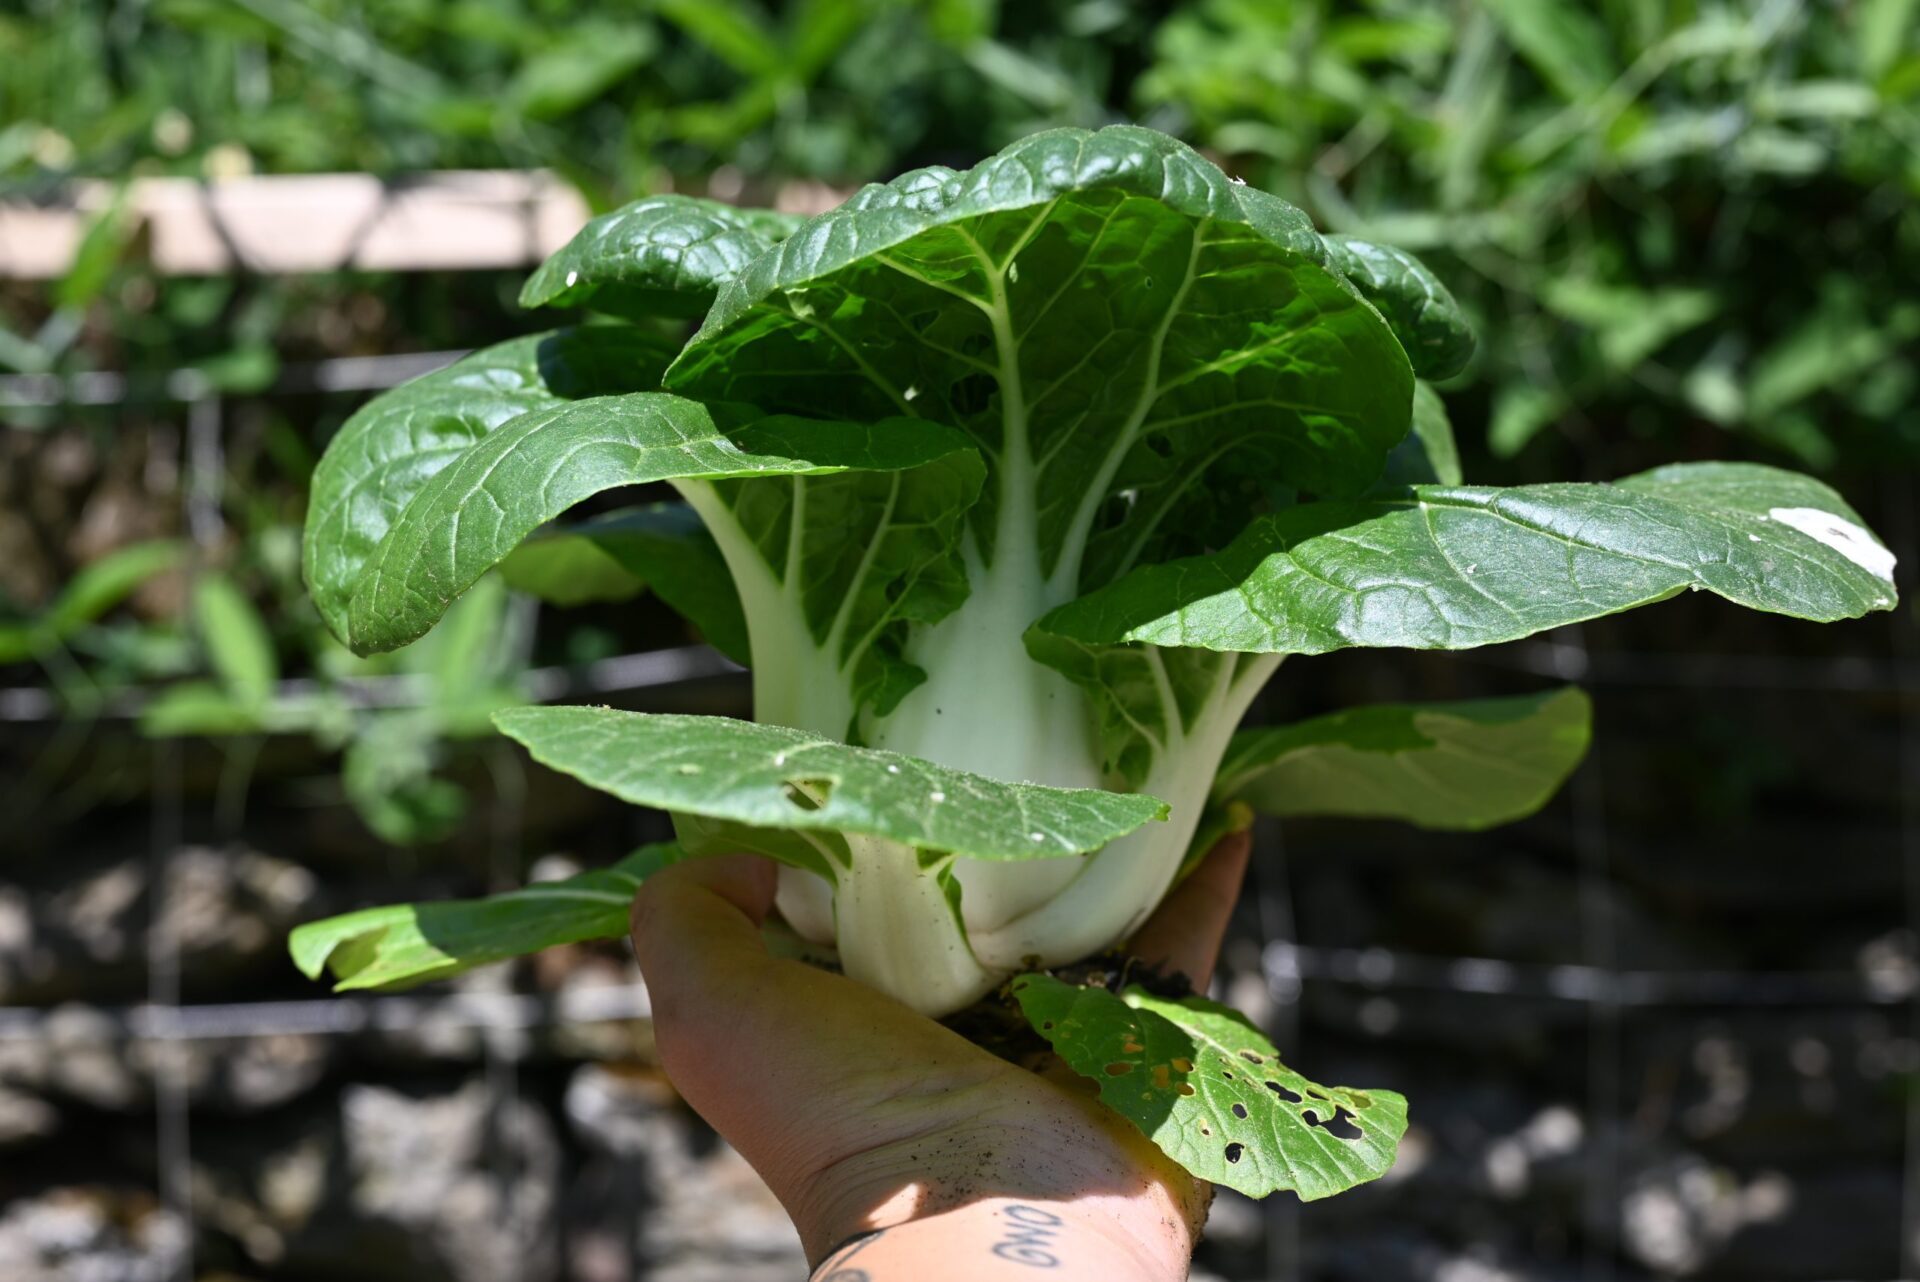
(663, 1198)
(90, 1235)
(395, 1186)
(221, 908)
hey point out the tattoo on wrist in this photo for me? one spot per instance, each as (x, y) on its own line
(1027, 1235)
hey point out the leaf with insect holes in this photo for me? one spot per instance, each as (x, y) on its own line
(771, 777)
(1209, 1088)
(400, 945)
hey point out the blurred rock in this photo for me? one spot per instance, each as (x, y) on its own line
(1678, 1216)
(661, 1197)
(87, 1054)
(396, 1186)
(90, 1235)
(25, 1118)
(223, 908)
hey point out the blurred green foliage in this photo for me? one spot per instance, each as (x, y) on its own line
(1664, 214)
(623, 96)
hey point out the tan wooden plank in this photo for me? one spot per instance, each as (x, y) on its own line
(292, 224)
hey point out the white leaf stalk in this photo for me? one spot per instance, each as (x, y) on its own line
(988, 707)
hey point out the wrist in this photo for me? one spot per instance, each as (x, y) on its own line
(1006, 1238)
(1105, 1181)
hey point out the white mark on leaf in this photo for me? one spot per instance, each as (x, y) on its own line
(573, 278)
(1840, 534)
(910, 393)
(937, 796)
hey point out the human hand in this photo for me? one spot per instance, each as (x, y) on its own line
(866, 1118)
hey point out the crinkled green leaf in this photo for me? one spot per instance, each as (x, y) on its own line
(477, 509)
(1071, 302)
(662, 546)
(771, 777)
(405, 944)
(1208, 1087)
(1422, 312)
(398, 441)
(1453, 567)
(659, 256)
(1467, 765)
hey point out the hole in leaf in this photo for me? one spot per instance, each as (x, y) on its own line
(1251, 1058)
(921, 320)
(1160, 445)
(1131, 1047)
(1227, 1075)
(1240, 1111)
(1119, 1069)
(1340, 1125)
(1234, 1151)
(1317, 1093)
(1185, 1089)
(1046, 1026)
(687, 768)
(1206, 1130)
(1162, 1077)
(972, 394)
(1183, 1066)
(1285, 1094)
(808, 794)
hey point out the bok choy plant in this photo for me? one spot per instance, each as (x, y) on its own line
(1013, 486)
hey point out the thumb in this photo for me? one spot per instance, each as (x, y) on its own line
(696, 931)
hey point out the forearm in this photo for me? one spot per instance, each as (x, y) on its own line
(1002, 1239)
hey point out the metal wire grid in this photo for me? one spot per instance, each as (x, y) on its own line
(1597, 983)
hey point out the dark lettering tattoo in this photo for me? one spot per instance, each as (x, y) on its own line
(1028, 1236)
